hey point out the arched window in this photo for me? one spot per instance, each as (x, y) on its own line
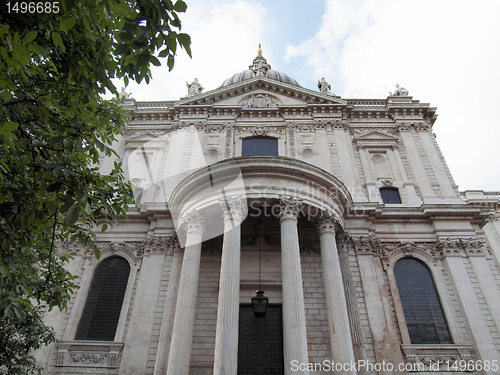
(421, 305)
(390, 195)
(104, 301)
(259, 146)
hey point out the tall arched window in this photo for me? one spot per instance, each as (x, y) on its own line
(421, 305)
(104, 301)
(259, 146)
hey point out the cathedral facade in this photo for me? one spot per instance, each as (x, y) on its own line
(341, 213)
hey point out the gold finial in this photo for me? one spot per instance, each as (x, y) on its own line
(259, 51)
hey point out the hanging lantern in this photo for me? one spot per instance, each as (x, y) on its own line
(259, 304)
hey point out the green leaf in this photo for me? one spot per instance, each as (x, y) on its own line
(10, 126)
(72, 215)
(67, 24)
(180, 6)
(30, 37)
(154, 60)
(35, 48)
(56, 38)
(164, 53)
(170, 62)
(185, 41)
(109, 178)
(4, 29)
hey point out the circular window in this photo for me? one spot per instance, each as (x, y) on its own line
(308, 153)
(378, 158)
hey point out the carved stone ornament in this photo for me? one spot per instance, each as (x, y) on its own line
(290, 208)
(438, 249)
(328, 222)
(194, 221)
(435, 358)
(158, 245)
(386, 181)
(260, 129)
(88, 354)
(260, 101)
(233, 208)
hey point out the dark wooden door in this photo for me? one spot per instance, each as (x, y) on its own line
(260, 346)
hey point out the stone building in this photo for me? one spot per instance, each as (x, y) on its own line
(343, 211)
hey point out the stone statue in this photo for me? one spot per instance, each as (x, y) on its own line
(324, 86)
(123, 94)
(194, 88)
(400, 91)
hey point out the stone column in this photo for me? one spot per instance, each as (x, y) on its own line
(226, 339)
(294, 318)
(167, 320)
(182, 334)
(338, 318)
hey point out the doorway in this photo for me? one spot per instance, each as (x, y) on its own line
(260, 342)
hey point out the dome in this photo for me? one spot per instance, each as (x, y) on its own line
(260, 68)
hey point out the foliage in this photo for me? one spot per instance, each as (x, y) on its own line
(54, 125)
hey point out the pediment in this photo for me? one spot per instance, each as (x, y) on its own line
(260, 92)
(144, 135)
(375, 138)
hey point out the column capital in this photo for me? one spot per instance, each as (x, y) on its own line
(327, 222)
(290, 208)
(233, 208)
(194, 222)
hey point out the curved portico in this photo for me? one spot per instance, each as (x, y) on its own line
(220, 195)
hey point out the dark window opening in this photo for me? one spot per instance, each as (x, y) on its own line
(104, 302)
(390, 195)
(421, 305)
(260, 146)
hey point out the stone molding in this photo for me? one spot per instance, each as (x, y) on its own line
(436, 357)
(149, 245)
(463, 247)
(88, 354)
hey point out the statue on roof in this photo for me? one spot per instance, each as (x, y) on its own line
(194, 88)
(123, 94)
(400, 91)
(323, 86)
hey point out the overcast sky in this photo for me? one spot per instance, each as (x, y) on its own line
(443, 52)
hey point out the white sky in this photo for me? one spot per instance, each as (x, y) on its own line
(443, 52)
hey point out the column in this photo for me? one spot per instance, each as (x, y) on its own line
(294, 318)
(167, 321)
(338, 318)
(226, 339)
(182, 333)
